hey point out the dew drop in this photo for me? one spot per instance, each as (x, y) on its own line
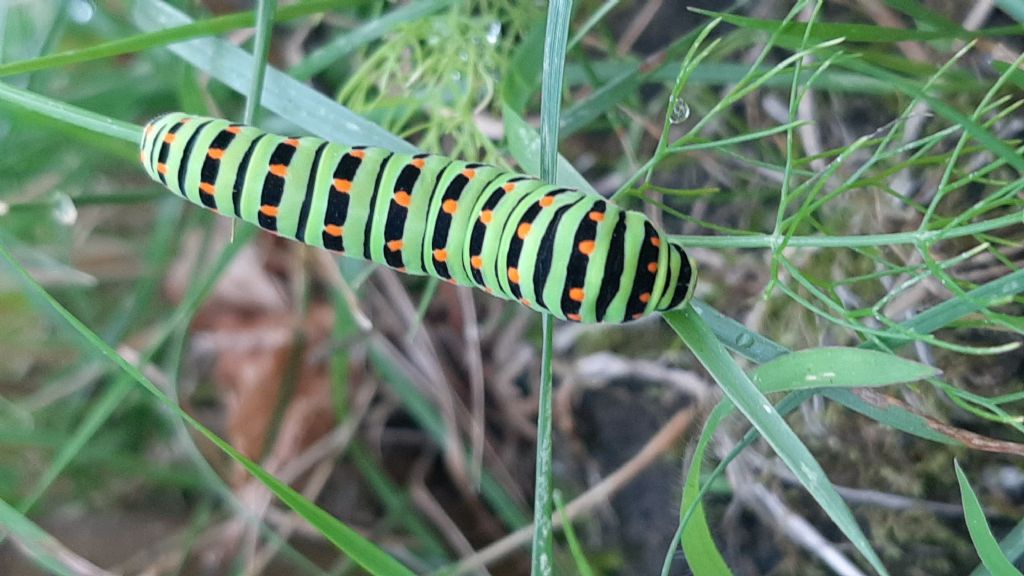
(494, 32)
(64, 210)
(744, 340)
(81, 11)
(680, 111)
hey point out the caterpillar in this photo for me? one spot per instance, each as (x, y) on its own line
(556, 250)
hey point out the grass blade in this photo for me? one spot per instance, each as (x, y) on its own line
(555, 38)
(984, 542)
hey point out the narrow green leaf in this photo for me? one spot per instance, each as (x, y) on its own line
(841, 367)
(984, 542)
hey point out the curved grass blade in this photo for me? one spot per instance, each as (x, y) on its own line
(763, 416)
(364, 552)
(984, 542)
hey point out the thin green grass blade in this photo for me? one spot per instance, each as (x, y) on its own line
(984, 542)
(895, 417)
(140, 42)
(579, 557)
(282, 94)
(852, 32)
(395, 502)
(762, 415)
(524, 145)
(260, 48)
(39, 545)
(364, 552)
(344, 44)
(70, 114)
(555, 38)
(427, 418)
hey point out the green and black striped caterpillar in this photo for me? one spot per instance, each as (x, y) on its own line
(568, 253)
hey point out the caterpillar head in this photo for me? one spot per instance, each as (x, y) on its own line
(680, 282)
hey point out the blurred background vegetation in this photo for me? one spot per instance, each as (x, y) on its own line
(848, 174)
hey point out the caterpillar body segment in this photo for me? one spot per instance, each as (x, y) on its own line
(556, 250)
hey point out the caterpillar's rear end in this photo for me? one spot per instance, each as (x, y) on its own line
(556, 250)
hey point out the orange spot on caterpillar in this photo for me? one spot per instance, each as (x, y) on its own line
(451, 281)
(477, 262)
(293, 142)
(149, 129)
(403, 199)
(508, 186)
(269, 210)
(169, 138)
(357, 154)
(417, 162)
(586, 247)
(342, 185)
(652, 267)
(142, 156)
(334, 230)
(513, 275)
(596, 216)
(450, 206)
(206, 188)
(486, 216)
(161, 168)
(655, 241)
(401, 269)
(441, 255)
(523, 230)
(645, 297)
(279, 170)
(469, 173)
(488, 290)
(573, 317)
(546, 201)
(576, 294)
(395, 245)
(524, 301)
(233, 129)
(215, 153)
